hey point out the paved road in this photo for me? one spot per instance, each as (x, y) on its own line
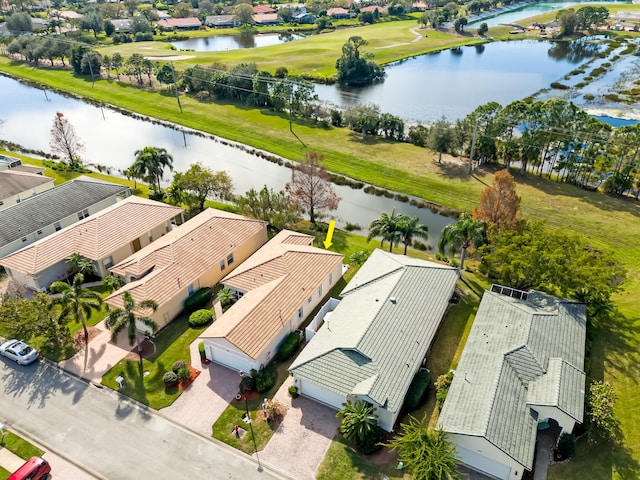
(111, 436)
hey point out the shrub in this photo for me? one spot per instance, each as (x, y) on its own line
(200, 318)
(178, 365)
(169, 378)
(567, 445)
(265, 379)
(350, 227)
(455, 263)
(293, 391)
(203, 355)
(275, 410)
(371, 443)
(247, 384)
(442, 258)
(442, 388)
(288, 347)
(418, 388)
(198, 300)
(601, 420)
(588, 96)
(418, 245)
(559, 86)
(183, 373)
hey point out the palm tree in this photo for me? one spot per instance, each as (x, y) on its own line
(386, 227)
(126, 317)
(465, 233)
(80, 264)
(76, 301)
(112, 282)
(150, 162)
(358, 420)
(410, 228)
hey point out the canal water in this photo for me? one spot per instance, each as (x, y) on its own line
(111, 138)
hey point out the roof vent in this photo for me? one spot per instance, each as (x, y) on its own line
(393, 300)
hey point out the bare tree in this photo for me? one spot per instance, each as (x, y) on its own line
(64, 140)
(310, 186)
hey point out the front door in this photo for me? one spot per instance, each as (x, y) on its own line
(136, 245)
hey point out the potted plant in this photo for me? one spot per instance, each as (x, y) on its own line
(203, 355)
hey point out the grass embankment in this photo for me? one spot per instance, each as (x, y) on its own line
(20, 446)
(315, 56)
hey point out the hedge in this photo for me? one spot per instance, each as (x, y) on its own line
(289, 346)
(198, 299)
(265, 378)
(418, 388)
(200, 318)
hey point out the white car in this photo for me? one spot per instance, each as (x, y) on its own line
(19, 351)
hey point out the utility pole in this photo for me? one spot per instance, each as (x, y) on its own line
(175, 87)
(473, 146)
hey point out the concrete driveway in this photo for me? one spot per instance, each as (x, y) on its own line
(202, 403)
(303, 438)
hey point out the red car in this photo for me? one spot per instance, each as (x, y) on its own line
(35, 469)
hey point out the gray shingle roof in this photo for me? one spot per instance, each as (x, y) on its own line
(53, 205)
(379, 333)
(520, 353)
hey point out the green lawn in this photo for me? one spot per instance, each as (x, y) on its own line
(20, 446)
(172, 344)
(4, 474)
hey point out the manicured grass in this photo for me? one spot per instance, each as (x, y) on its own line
(222, 429)
(20, 446)
(342, 462)
(4, 474)
(172, 344)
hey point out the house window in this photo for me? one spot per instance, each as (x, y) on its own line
(230, 259)
(150, 235)
(39, 232)
(167, 227)
(300, 313)
(24, 239)
(222, 265)
(309, 301)
(1, 202)
(320, 291)
(17, 199)
(191, 289)
(83, 214)
(330, 278)
(57, 226)
(108, 262)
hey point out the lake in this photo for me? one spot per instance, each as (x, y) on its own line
(111, 138)
(221, 43)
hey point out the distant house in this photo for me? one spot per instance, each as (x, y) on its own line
(221, 21)
(189, 23)
(39, 23)
(304, 18)
(106, 237)
(373, 9)
(122, 25)
(267, 19)
(521, 369)
(52, 210)
(278, 287)
(419, 6)
(374, 341)
(7, 162)
(17, 185)
(194, 255)
(64, 14)
(340, 13)
(162, 15)
(263, 9)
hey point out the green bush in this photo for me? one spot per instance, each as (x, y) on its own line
(200, 318)
(203, 355)
(293, 391)
(371, 443)
(418, 388)
(198, 300)
(169, 378)
(247, 384)
(265, 378)
(288, 347)
(178, 365)
(442, 388)
(183, 373)
(567, 445)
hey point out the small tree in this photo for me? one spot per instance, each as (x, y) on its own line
(64, 140)
(243, 13)
(356, 68)
(427, 455)
(387, 227)
(499, 203)
(358, 258)
(199, 183)
(77, 263)
(360, 424)
(112, 282)
(484, 28)
(601, 421)
(463, 234)
(310, 186)
(440, 137)
(277, 208)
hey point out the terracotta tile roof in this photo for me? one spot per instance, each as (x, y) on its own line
(337, 11)
(182, 255)
(13, 182)
(94, 237)
(373, 8)
(263, 9)
(277, 279)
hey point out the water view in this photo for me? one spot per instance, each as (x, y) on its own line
(221, 43)
(111, 139)
(454, 82)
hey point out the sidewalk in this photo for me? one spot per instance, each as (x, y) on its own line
(9, 460)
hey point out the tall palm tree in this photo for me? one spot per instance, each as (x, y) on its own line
(76, 301)
(386, 227)
(126, 317)
(150, 162)
(80, 264)
(410, 228)
(358, 420)
(463, 234)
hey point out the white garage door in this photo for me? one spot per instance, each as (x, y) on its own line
(321, 395)
(230, 359)
(483, 464)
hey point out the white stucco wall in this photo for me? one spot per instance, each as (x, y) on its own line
(546, 412)
(482, 447)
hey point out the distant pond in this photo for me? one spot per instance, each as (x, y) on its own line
(221, 43)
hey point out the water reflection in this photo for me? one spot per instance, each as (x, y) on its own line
(576, 51)
(479, 48)
(221, 43)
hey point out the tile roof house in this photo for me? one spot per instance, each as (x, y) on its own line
(522, 365)
(122, 24)
(262, 9)
(278, 287)
(197, 254)
(16, 186)
(373, 8)
(221, 21)
(47, 212)
(375, 340)
(340, 13)
(267, 19)
(105, 237)
(189, 23)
